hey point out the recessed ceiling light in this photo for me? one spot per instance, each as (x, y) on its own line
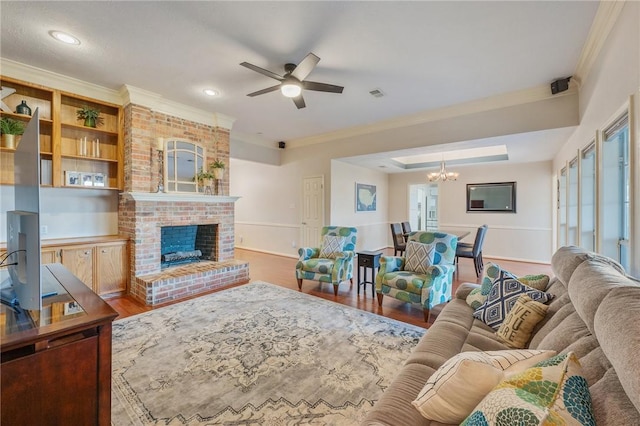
(64, 37)
(211, 92)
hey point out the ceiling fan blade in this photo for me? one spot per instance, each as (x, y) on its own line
(321, 87)
(299, 101)
(263, 91)
(262, 71)
(305, 66)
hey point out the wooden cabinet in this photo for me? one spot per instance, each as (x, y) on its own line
(102, 263)
(59, 373)
(67, 147)
(111, 268)
(48, 256)
(79, 261)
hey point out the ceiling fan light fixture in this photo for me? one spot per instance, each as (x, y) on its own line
(291, 88)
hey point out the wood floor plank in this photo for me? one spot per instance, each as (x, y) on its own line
(280, 270)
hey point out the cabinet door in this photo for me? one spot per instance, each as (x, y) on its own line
(48, 256)
(80, 262)
(112, 268)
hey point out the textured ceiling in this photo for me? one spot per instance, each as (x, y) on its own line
(422, 55)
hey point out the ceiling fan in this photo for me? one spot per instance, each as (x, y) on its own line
(293, 81)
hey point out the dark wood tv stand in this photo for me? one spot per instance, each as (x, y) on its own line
(60, 372)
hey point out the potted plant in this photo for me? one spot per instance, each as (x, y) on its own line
(91, 116)
(217, 167)
(204, 178)
(10, 128)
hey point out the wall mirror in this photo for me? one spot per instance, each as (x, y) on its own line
(183, 160)
(491, 197)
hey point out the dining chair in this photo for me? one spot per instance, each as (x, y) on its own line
(399, 244)
(473, 251)
(406, 228)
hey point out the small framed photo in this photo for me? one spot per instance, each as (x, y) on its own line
(87, 179)
(71, 308)
(72, 178)
(98, 179)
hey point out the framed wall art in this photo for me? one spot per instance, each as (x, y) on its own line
(365, 197)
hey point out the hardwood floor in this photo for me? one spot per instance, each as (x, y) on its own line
(280, 270)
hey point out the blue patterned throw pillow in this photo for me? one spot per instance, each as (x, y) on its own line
(503, 295)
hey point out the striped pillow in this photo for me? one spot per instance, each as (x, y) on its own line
(458, 386)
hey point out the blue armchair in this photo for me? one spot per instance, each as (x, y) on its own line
(425, 290)
(336, 267)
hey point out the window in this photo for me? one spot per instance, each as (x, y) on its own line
(183, 161)
(588, 197)
(562, 208)
(616, 227)
(572, 213)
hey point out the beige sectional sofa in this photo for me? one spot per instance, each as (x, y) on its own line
(595, 313)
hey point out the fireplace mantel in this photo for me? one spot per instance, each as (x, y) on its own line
(179, 197)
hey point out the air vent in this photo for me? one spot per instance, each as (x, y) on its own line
(376, 93)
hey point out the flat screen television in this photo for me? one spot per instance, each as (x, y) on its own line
(23, 223)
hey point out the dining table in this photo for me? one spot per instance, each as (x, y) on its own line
(459, 234)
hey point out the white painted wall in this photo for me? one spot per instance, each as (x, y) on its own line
(68, 212)
(525, 235)
(615, 76)
(373, 227)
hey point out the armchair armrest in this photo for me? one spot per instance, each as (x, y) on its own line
(390, 264)
(306, 253)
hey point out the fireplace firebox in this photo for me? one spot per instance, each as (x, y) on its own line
(184, 244)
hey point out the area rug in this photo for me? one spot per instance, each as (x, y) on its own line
(258, 354)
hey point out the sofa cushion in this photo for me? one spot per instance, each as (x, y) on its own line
(617, 327)
(518, 325)
(418, 257)
(552, 392)
(461, 382)
(501, 299)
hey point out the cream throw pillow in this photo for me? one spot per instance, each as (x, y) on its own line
(332, 246)
(458, 386)
(517, 327)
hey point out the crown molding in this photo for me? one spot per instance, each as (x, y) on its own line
(137, 96)
(253, 139)
(126, 94)
(534, 94)
(606, 17)
(57, 81)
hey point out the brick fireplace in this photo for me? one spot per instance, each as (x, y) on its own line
(143, 211)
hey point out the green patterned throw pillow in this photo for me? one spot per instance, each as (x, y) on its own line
(332, 246)
(475, 298)
(553, 392)
(539, 282)
(418, 257)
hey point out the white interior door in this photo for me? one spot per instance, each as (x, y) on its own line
(312, 210)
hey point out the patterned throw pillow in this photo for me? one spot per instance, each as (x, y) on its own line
(501, 299)
(518, 325)
(418, 257)
(475, 298)
(332, 246)
(553, 392)
(461, 382)
(539, 282)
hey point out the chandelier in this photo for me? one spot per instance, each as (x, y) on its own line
(442, 175)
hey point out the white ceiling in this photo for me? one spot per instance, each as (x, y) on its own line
(422, 55)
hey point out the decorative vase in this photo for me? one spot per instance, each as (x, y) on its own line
(23, 108)
(90, 122)
(8, 141)
(218, 173)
